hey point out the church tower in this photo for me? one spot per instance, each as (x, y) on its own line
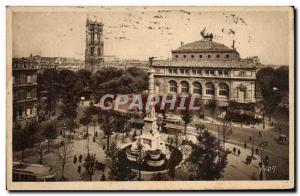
(94, 50)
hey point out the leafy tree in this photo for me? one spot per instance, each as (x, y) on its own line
(21, 141)
(201, 111)
(120, 170)
(175, 141)
(50, 133)
(64, 154)
(32, 128)
(208, 159)
(92, 112)
(85, 120)
(89, 165)
(281, 78)
(41, 150)
(121, 126)
(112, 151)
(48, 85)
(84, 82)
(187, 118)
(108, 126)
(266, 81)
(140, 76)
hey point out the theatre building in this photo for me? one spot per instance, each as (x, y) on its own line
(209, 69)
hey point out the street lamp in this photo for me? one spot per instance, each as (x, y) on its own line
(262, 148)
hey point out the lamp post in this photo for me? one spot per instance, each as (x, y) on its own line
(262, 148)
(252, 148)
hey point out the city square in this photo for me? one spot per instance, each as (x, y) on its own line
(204, 110)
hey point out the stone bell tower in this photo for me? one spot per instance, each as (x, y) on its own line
(94, 50)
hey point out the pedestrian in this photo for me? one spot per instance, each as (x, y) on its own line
(259, 133)
(234, 150)
(80, 158)
(267, 160)
(247, 160)
(239, 152)
(245, 145)
(256, 150)
(79, 169)
(250, 138)
(103, 177)
(75, 159)
(103, 147)
(96, 134)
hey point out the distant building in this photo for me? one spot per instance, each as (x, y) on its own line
(44, 62)
(25, 102)
(71, 64)
(94, 51)
(209, 69)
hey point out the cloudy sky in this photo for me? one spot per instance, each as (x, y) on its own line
(140, 32)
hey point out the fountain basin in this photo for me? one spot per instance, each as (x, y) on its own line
(153, 164)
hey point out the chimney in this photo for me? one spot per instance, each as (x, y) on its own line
(181, 43)
(233, 44)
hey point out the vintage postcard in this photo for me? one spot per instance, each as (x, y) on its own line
(150, 98)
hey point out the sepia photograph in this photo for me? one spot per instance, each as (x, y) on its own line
(150, 98)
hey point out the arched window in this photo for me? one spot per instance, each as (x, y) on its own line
(197, 88)
(223, 90)
(173, 86)
(209, 88)
(184, 87)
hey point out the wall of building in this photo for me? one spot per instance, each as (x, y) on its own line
(234, 87)
(25, 102)
(206, 56)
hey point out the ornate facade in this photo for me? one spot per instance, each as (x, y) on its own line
(210, 69)
(94, 52)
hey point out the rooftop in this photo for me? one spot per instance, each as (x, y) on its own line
(203, 45)
(244, 63)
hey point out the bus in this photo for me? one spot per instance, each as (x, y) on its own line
(25, 172)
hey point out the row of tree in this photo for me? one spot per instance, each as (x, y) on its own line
(69, 86)
(273, 86)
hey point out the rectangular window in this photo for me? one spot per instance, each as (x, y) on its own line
(29, 79)
(175, 71)
(194, 71)
(28, 111)
(212, 72)
(182, 71)
(198, 71)
(206, 72)
(220, 72)
(92, 37)
(226, 73)
(170, 71)
(29, 94)
(187, 72)
(92, 51)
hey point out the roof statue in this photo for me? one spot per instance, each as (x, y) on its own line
(206, 36)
